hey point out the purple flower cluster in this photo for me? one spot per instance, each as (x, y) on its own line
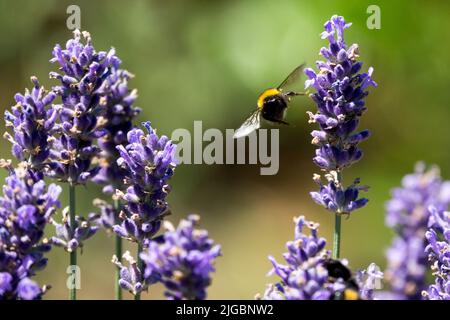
(97, 106)
(32, 120)
(75, 140)
(340, 93)
(83, 73)
(117, 100)
(149, 162)
(107, 217)
(25, 208)
(408, 215)
(90, 136)
(61, 138)
(438, 250)
(182, 259)
(72, 238)
(334, 198)
(131, 278)
(305, 276)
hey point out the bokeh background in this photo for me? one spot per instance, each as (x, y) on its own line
(208, 60)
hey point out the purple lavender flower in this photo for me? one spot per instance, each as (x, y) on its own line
(182, 260)
(25, 208)
(340, 93)
(118, 101)
(408, 215)
(83, 73)
(305, 276)
(32, 120)
(149, 162)
(72, 238)
(28, 289)
(6, 285)
(106, 218)
(146, 163)
(438, 250)
(131, 278)
(368, 280)
(335, 199)
(310, 274)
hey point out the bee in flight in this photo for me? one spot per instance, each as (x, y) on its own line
(271, 105)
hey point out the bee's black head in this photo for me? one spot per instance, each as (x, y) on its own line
(337, 270)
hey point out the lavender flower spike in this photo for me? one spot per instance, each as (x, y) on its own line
(107, 216)
(304, 277)
(131, 278)
(25, 207)
(438, 250)
(83, 72)
(310, 274)
(117, 100)
(340, 93)
(32, 120)
(334, 198)
(408, 215)
(149, 162)
(182, 260)
(72, 238)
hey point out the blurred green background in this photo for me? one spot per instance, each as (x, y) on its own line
(209, 60)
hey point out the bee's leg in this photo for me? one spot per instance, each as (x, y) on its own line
(293, 94)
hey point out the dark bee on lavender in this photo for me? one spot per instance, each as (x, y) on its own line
(337, 270)
(271, 105)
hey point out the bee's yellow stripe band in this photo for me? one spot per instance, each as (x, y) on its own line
(265, 94)
(350, 294)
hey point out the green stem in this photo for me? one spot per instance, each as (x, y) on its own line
(140, 265)
(118, 251)
(73, 254)
(337, 237)
(337, 221)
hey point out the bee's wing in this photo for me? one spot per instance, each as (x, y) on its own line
(251, 124)
(292, 77)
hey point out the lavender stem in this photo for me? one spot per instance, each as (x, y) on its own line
(73, 253)
(337, 221)
(140, 267)
(337, 237)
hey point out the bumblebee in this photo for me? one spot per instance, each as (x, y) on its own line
(336, 270)
(271, 105)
